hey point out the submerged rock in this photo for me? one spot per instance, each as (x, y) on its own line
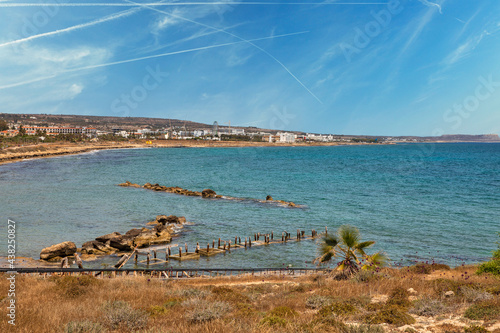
(208, 193)
(269, 198)
(58, 251)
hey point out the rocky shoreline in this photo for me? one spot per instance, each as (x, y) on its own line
(207, 194)
(163, 229)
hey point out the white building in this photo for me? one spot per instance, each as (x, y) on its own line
(286, 137)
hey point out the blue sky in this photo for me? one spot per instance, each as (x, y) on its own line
(379, 67)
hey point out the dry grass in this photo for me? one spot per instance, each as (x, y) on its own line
(314, 303)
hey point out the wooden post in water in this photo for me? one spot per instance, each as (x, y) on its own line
(180, 251)
(213, 243)
(148, 258)
(224, 248)
(197, 248)
(79, 261)
(326, 231)
(239, 240)
(219, 243)
(136, 255)
(245, 242)
(186, 247)
(282, 236)
(208, 247)
(302, 234)
(166, 254)
(229, 246)
(169, 252)
(235, 240)
(249, 242)
(154, 254)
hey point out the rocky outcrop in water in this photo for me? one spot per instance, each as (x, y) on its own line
(58, 251)
(161, 233)
(208, 194)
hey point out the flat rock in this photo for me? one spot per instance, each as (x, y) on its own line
(57, 251)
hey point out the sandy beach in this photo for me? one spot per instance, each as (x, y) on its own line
(19, 153)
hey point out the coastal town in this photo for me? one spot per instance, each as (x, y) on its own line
(110, 128)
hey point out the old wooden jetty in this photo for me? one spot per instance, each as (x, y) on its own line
(161, 256)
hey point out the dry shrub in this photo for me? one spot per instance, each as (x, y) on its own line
(449, 328)
(365, 276)
(283, 312)
(390, 315)
(473, 295)
(74, 286)
(427, 307)
(425, 268)
(486, 310)
(191, 292)
(119, 314)
(342, 309)
(399, 297)
(318, 301)
(443, 285)
(362, 329)
(205, 311)
(475, 329)
(85, 326)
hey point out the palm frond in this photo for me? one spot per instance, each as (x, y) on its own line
(348, 235)
(331, 240)
(364, 245)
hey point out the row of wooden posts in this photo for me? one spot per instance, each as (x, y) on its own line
(222, 247)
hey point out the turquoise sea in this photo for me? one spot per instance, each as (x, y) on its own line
(417, 201)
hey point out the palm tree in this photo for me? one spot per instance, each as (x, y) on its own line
(347, 245)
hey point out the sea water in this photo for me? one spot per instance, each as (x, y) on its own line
(419, 202)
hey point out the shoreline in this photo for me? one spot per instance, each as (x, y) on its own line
(63, 149)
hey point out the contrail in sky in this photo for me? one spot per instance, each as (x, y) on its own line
(75, 27)
(98, 4)
(235, 36)
(142, 58)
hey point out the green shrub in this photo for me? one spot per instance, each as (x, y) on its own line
(118, 314)
(492, 267)
(390, 315)
(486, 310)
(157, 310)
(271, 320)
(171, 302)
(427, 307)
(83, 327)
(318, 301)
(475, 329)
(206, 311)
(283, 312)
